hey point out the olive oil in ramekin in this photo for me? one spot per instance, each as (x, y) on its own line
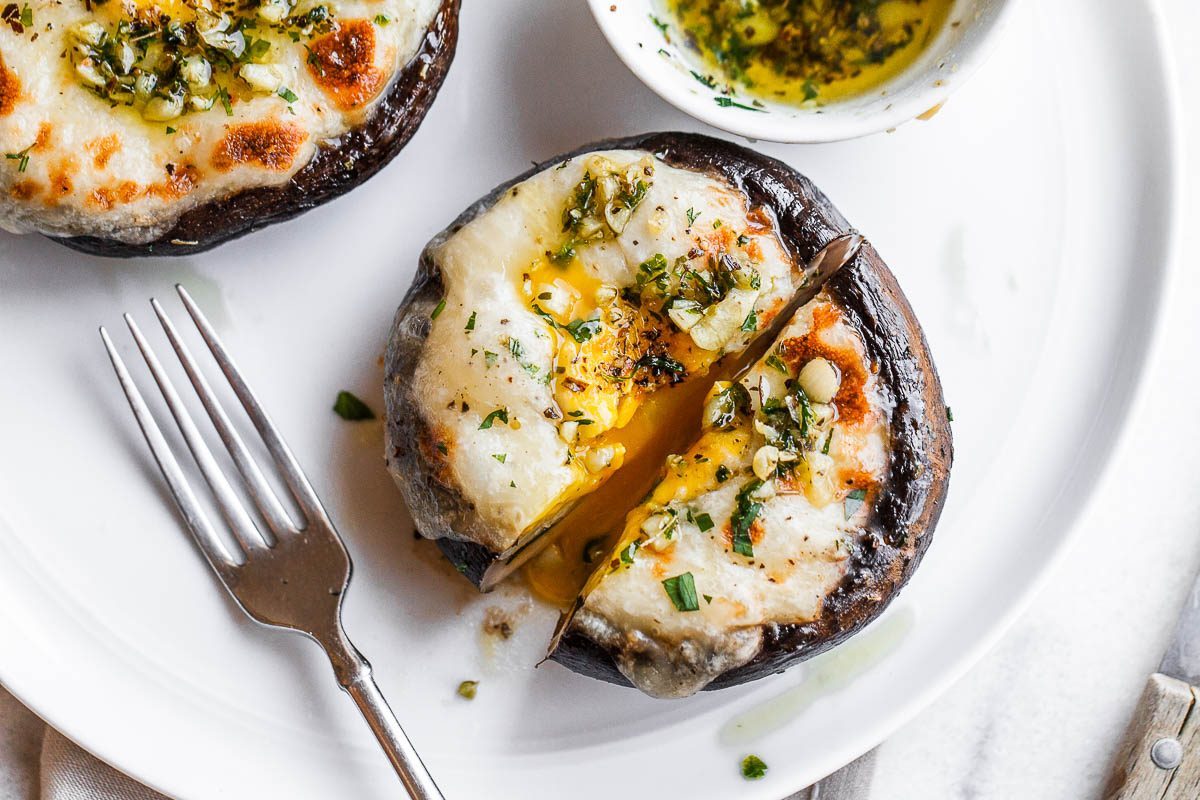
(808, 52)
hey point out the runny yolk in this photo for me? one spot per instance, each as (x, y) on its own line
(665, 423)
(641, 427)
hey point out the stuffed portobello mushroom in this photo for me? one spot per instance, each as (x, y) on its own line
(170, 126)
(663, 377)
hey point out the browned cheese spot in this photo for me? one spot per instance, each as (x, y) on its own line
(127, 191)
(851, 398)
(102, 198)
(103, 149)
(268, 144)
(10, 88)
(343, 64)
(24, 190)
(44, 139)
(61, 179)
(179, 182)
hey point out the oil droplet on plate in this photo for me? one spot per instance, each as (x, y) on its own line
(824, 675)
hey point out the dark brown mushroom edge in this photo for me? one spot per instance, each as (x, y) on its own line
(759, 452)
(351, 118)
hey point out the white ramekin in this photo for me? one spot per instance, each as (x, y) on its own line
(665, 64)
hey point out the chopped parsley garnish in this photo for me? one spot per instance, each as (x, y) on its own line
(810, 90)
(27, 16)
(22, 158)
(349, 407)
(743, 518)
(518, 353)
(658, 23)
(692, 216)
(722, 473)
(703, 522)
(580, 329)
(165, 68)
(704, 79)
(854, 501)
(564, 253)
(728, 403)
(775, 362)
(499, 414)
(828, 441)
(438, 309)
(753, 768)
(653, 271)
(471, 322)
(467, 689)
(682, 591)
(170, 130)
(381, 20)
(490, 358)
(545, 314)
(256, 50)
(790, 418)
(583, 329)
(728, 102)
(628, 552)
(501, 457)
(659, 364)
(750, 323)
(949, 414)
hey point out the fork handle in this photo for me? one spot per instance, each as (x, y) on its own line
(354, 675)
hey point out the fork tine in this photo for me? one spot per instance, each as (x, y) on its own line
(294, 476)
(214, 549)
(230, 504)
(262, 493)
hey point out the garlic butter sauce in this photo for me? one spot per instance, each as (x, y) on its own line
(807, 52)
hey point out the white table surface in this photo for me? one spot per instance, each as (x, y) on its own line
(1041, 715)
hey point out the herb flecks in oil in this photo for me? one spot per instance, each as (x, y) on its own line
(806, 51)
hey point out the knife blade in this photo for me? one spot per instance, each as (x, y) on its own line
(851, 782)
(1182, 659)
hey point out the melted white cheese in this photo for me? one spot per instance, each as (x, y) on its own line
(798, 560)
(68, 188)
(482, 266)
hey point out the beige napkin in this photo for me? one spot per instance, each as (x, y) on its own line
(39, 763)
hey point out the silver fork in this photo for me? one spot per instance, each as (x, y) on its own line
(288, 575)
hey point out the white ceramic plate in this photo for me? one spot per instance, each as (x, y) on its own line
(1030, 224)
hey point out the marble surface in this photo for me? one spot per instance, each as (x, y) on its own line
(1041, 715)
